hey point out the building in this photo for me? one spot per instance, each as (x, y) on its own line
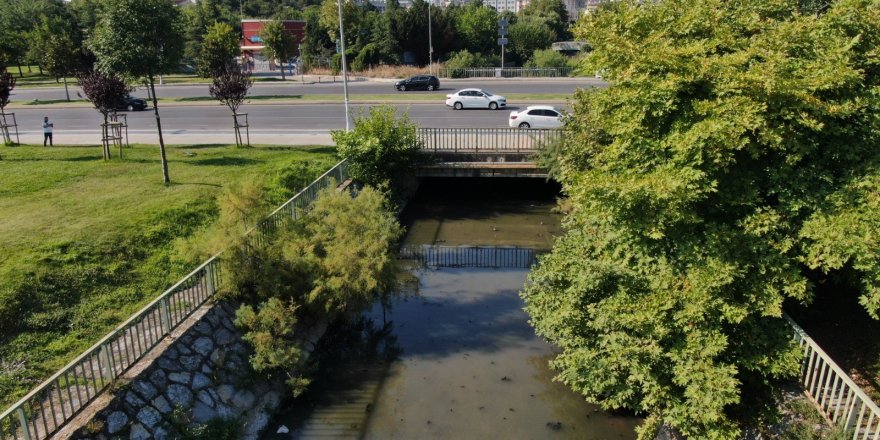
(252, 43)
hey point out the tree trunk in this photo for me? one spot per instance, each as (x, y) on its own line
(67, 92)
(20, 73)
(105, 142)
(282, 71)
(165, 177)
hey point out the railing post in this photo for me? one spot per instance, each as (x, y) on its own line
(165, 310)
(105, 356)
(209, 278)
(25, 428)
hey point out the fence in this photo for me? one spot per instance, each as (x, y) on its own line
(507, 72)
(48, 407)
(832, 390)
(486, 140)
(470, 256)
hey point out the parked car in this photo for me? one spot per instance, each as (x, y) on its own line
(536, 116)
(419, 82)
(131, 104)
(475, 98)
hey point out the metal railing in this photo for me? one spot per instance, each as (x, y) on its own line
(486, 140)
(470, 256)
(49, 406)
(507, 72)
(833, 392)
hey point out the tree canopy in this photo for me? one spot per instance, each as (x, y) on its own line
(732, 159)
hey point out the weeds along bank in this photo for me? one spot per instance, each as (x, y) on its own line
(85, 243)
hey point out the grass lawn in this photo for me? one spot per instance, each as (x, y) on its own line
(84, 243)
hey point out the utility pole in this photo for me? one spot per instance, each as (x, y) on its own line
(430, 43)
(502, 41)
(344, 67)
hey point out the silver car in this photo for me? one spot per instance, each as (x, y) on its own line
(475, 98)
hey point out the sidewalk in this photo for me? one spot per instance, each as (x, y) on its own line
(186, 137)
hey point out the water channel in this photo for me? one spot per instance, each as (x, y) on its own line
(459, 360)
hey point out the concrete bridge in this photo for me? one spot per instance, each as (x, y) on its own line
(484, 152)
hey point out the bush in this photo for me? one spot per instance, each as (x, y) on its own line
(464, 59)
(381, 149)
(548, 58)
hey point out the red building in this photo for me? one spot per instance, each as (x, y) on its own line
(252, 43)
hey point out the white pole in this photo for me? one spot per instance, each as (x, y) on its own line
(344, 67)
(430, 43)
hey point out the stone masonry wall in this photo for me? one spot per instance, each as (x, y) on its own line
(203, 375)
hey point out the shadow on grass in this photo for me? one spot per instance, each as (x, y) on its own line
(225, 161)
(310, 148)
(200, 147)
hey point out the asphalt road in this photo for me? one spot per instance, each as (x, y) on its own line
(372, 87)
(269, 123)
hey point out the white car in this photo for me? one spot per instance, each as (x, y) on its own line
(475, 98)
(536, 116)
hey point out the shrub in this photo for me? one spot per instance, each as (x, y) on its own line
(548, 58)
(381, 149)
(464, 59)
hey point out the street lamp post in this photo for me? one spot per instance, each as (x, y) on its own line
(430, 43)
(344, 67)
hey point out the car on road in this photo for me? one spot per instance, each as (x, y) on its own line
(131, 104)
(475, 98)
(418, 82)
(536, 116)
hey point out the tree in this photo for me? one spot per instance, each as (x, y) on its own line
(277, 42)
(723, 170)
(142, 39)
(553, 12)
(477, 27)
(105, 93)
(381, 149)
(56, 46)
(7, 83)
(219, 49)
(230, 86)
(529, 34)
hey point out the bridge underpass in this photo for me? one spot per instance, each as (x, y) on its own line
(484, 152)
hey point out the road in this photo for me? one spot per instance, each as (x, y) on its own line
(372, 87)
(269, 123)
(301, 123)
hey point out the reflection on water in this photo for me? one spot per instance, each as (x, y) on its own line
(475, 212)
(459, 361)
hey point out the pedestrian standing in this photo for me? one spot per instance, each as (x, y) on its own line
(47, 131)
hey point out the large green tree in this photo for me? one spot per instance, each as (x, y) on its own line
(477, 27)
(733, 158)
(278, 43)
(219, 48)
(529, 34)
(56, 45)
(554, 14)
(140, 39)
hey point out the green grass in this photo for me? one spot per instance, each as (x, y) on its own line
(84, 243)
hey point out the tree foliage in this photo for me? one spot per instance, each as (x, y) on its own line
(104, 91)
(477, 27)
(7, 84)
(219, 49)
(140, 39)
(230, 85)
(277, 42)
(381, 148)
(734, 151)
(529, 34)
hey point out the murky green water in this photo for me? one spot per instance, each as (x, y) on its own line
(459, 361)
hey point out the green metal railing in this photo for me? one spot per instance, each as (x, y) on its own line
(48, 407)
(507, 72)
(486, 140)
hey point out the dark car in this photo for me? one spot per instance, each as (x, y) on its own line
(420, 82)
(131, 104)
